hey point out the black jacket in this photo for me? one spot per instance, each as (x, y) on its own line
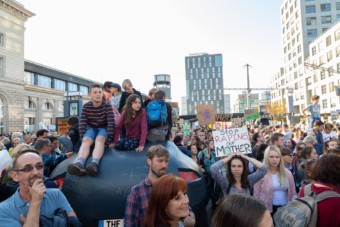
(124, 98)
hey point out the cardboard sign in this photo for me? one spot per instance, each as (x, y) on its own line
(206, 114)
(231, 140)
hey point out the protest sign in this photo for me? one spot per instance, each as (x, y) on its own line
(231, 140)
(206, 114)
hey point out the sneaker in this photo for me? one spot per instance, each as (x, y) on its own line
(92, 169)
(76, 169)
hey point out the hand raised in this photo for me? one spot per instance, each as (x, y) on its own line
(37, 191)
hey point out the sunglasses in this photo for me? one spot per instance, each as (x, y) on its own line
(29, 168)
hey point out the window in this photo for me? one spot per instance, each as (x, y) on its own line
(72, 87)
(84, 90)
(338, 6)
(311, 21)
(328, 41)
(326, 19)
(337, 34)
(31, 104)
(44, 81)
(29, 78)
(329, 55)
(338, 68)
(312, 33)
(2, 66)
(331, 87)
(48, 106)
(323, 89)
(324, 103)
(313, 50)
(2, 39)
(326, 7)
(59, 84)
(310, 9)
(322, 75)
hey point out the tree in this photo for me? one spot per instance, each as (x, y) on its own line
(276, 109)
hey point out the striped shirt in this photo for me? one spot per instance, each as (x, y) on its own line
(97, 117)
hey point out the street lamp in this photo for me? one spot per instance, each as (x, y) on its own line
(290, 105)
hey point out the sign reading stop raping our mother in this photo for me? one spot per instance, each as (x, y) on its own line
(231, 140)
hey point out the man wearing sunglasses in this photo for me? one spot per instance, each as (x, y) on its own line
(32, 199)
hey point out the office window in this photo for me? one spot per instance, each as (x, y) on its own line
(323, 89)
(313, 50)
(218, 60)
(310, 9)
(338, 6)
(322, 75)
(48, 106)
(2, 66)
(72, 87)
(328, 41)
(324, 104)
(84, 90)
(331, 86)
(2, 39)
(337, 34)
(44, 81)
(29, 78)
(329, 55)
(326, 20)
(59, 84)
(337, 51)
(326, 7)
(311, 21)
(312, 33)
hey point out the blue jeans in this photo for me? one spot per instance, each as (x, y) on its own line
(93, 133)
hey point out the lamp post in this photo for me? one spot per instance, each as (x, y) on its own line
(290, 106)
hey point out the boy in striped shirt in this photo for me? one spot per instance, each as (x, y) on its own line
(96, 126)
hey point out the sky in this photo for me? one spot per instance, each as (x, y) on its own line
(114, 40)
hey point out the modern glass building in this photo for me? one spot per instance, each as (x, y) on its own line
(204, 81)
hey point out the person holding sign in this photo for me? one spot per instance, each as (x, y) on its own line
(237, 179)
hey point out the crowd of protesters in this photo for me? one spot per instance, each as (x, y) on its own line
(284, 159)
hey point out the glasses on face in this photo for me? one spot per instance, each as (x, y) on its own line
(29, 168)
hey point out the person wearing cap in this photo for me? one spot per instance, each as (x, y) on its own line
(318, 127)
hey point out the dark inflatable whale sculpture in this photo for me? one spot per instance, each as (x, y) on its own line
(104, 197)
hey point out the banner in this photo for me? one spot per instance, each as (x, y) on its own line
(231, 140)
(206, 114)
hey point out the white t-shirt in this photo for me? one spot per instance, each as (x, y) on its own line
(280, 194)
(327, 137)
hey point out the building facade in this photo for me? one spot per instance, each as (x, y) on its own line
(31, 95)
(12, 28)
(302, 21)
(323, 79)
(227, 103)
(204, 81)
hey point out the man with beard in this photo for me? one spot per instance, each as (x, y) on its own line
(32, 199)
(157, 158)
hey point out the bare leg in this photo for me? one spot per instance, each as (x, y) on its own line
(84, 150)
(98, 150)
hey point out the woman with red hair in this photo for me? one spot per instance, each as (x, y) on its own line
(168, 203)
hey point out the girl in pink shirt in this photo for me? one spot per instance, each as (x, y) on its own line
(277, 187)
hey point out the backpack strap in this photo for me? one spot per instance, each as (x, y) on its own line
(308, 190)
(326, 194)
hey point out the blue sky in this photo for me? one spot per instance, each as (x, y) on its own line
(113, 40)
